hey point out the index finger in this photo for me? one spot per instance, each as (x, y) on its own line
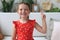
(42, 12)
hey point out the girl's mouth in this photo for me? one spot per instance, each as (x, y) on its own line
(23, 14)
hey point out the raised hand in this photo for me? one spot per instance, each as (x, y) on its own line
(43, 15)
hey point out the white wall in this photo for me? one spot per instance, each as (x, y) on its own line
(7, 18)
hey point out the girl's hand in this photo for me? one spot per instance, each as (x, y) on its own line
(43, 15)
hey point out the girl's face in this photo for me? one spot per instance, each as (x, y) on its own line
(23, 11)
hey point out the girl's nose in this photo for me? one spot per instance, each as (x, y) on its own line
(23, 11)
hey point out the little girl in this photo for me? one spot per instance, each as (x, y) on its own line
(23, 28)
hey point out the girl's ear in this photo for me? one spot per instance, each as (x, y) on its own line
(29, 11)
(17, 10)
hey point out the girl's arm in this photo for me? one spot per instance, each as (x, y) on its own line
(14, 33)
(42, 28)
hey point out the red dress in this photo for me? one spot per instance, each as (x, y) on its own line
(24, 31)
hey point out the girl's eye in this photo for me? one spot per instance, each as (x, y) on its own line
(26, 9)
(20, 9)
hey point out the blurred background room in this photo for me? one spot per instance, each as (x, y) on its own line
(51, 9)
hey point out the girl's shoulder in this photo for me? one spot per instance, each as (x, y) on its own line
(15, 21)
(32, 20)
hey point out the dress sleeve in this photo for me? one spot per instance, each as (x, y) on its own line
(33, 22)
(14, 22)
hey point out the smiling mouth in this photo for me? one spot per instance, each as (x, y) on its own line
(23, 14)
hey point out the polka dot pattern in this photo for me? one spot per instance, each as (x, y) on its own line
(25, 30)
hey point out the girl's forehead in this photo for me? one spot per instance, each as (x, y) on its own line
(23, 5)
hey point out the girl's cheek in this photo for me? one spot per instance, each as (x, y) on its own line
(26, 11)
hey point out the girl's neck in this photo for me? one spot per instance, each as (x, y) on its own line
(24, 20)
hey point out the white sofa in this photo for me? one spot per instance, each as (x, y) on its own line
(7, 18)
(35, 38)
